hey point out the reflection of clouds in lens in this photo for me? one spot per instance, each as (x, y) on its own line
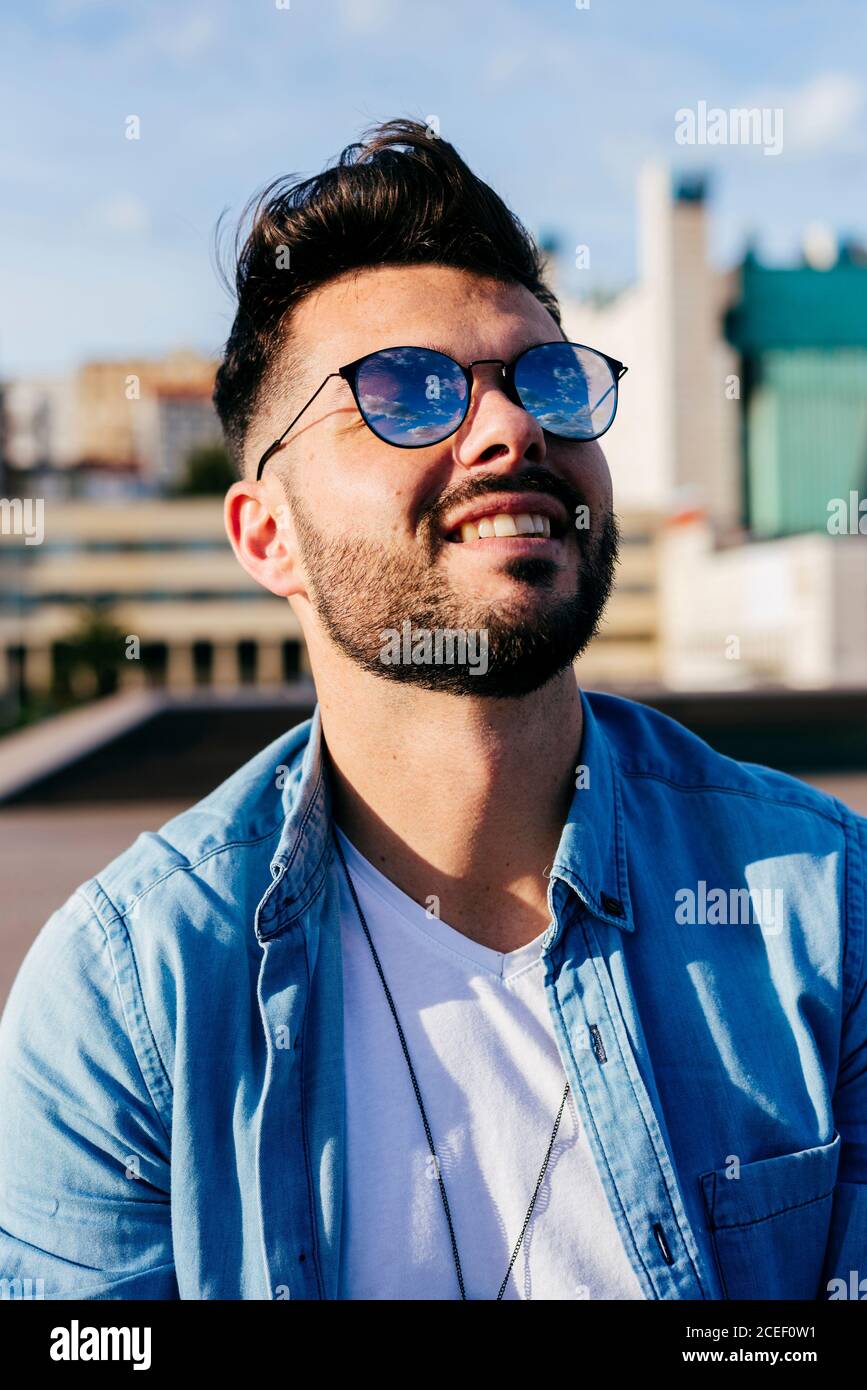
(411, 356)
(580, 412)
(423, 434)
(436, 424)
(379, 385)
(394, 391)
(575, 424)
(561, 386)
(540, 404)
(379, 403)
(402, 410)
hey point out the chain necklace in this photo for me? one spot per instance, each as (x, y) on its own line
(427, 1129)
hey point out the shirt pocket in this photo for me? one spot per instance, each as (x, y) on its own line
(769, 1227)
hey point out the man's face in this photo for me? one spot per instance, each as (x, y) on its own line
(375, 526)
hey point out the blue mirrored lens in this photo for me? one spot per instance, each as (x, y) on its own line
(570, 390)
(411, 396)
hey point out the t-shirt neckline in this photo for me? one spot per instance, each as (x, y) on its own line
(504, 964)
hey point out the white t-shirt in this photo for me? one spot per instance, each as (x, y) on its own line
(479, 1032)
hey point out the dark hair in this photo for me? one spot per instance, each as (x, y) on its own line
(400, 196)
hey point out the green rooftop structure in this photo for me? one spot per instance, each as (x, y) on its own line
(802, 336)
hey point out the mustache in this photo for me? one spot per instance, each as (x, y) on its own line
(532, 479)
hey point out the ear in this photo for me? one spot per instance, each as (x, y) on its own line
(259, 527)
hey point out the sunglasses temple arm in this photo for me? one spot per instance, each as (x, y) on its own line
(272, 448)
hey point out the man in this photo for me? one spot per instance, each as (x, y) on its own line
(474, 985)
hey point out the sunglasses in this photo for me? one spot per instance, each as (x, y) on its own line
(411, 397)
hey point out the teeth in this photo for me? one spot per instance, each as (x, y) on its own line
(506, 524)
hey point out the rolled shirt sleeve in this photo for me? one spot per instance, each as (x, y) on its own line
(84, 1151)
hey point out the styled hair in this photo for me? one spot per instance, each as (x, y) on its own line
(400, 196)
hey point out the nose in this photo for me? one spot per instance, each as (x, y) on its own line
(497, 429)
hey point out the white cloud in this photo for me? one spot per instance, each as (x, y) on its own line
(122, 212)
(526, 60)
(504, 64)
(187, 38)
(824, 114)
(364, 16)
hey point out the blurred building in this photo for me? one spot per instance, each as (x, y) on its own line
(801, 333)
(114, 396)
(165, 574)
(135, 417)
(745, 403)
(788, 612)
(171, 422)
(40, 423)
(678, 426)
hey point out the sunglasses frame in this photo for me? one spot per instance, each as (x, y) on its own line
(349, 373)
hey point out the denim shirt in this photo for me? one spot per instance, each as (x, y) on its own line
(171, 1065)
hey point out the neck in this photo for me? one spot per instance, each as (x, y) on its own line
(455, 799)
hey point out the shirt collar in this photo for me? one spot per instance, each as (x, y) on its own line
(304, 840)
(590, 859)
(591, 855)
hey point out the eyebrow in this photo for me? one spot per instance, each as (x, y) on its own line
(437, 347)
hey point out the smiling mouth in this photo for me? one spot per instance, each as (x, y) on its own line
(527, 525)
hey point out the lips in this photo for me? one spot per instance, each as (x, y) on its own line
(494, 508)
(503, 524)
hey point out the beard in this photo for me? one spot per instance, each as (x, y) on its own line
(361, 590)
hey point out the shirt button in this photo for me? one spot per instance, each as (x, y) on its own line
(612, 905)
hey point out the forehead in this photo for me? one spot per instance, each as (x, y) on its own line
(467, 315)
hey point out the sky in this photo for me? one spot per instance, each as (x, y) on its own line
(107, 243)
